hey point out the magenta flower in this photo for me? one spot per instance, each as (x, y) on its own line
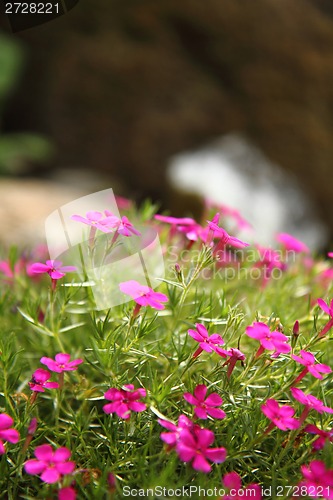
(233, 482)
(6, 269)
(123, 203)
(205, 407)
(325, 307)
(112, 482)
(96, 220)
(124, 401)
(230, 212)
(195, 447)
(53, 268)
(123, 226)
(268, 340)
(269, 260)
(316, 475)
(67, 493)
(330, 254)
(281, 416)
(61, 363)
(310, 403)
(184, 225)
(224, 238)
(6, 431)
(31, 431)
(32, 426)
(143, 295)
(175, 221)
(309, 361)
(171, 438)
(329, 310)
(40, 381)
(234, 356)
(52, 465)
(291, 243)
(207, 342)
(324, 436)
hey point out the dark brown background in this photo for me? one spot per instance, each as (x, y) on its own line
(121, 85)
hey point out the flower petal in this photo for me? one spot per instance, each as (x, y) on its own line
(10, 435)
(61, 454)
(201, 464)
(34, 466)
(5, 421)
(217, 455)
(50, 475)
(44, 452)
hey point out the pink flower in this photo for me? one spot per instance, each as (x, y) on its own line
(325, 307)
(230, 212)
(309, 361)
(143, 295)
(32, 426)
(268, 340)
(67, 494)
(175, 221)
(224, 238)
(6, 269)
(315, 474)
(329, 310)
(310, 403)
(6, 431)
(324, 436)
(123, 203)
(234, 356)
(184, 225)
(233, 482)
(123, 226)
(171, 438)
(61, 363)
(112, 482)
(291, 243)
(207, 342)
(205, 407)
(269, 260)
(40, 381)
(53, 268)
(52, 465)
(281, 416)
(325, 277)
(330, 254)
(124, 401)
(195, 447)
(96, 220)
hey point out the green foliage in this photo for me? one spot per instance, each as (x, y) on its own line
(153, 350)
(19, 149)
(11, 59)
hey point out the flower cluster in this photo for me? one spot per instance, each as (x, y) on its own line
(124, 401)
(192, 443)
(210, 362)
(7, 433)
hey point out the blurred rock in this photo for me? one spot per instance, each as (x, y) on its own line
(24, 206)
(123, 86)
(231, 171)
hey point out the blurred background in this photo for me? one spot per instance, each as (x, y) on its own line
(176, 101)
